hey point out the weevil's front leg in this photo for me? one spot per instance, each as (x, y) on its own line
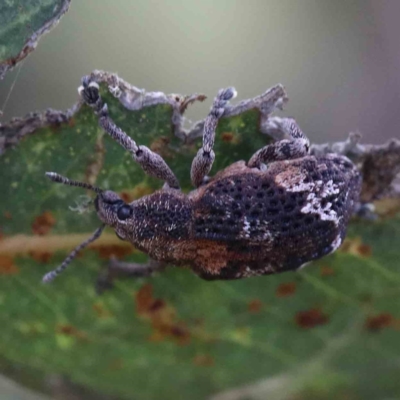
(119, 269)
(204, 158)
(294, 145)
(152, 163)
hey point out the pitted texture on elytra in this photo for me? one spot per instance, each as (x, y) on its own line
(293, 213)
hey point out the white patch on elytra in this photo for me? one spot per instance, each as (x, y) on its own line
(246, 227)
(336, 243)
(314, 201)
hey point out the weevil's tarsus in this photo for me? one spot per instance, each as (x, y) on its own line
(65, 181)
(53, 274)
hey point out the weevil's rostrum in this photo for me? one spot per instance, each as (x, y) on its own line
(274, 213)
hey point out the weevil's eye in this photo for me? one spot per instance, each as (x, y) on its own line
(124, 212)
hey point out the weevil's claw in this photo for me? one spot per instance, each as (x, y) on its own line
(89, 91)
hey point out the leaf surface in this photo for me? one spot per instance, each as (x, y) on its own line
(329, 331)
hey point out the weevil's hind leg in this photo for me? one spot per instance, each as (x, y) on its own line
(119, 269)
(294, 144)
(152, 163)
(204, 158)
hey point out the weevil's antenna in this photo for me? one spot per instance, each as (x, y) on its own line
(62, 179)
(53, 274)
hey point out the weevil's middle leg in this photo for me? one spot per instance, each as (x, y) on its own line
(295, 144)
(118, 269)
(152, 163)
(204, 158)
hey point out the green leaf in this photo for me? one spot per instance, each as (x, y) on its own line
(22, 23)
(330, 331)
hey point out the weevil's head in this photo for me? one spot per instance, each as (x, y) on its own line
(113, 211)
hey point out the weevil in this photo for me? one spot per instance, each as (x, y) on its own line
(276, 212)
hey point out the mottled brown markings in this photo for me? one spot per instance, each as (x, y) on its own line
(7, 215)
(311, 318)
(70, 330)
(286, 289)
(7, 266)
(378, 322)
(325, 270)
(254, 306)
(43, 223)
(162, 317)
(230, 137)
(112, 250)
(160, 146)
(356, 247)
(41, 256)
(72, 122)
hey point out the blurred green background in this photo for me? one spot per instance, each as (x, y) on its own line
(339, 60)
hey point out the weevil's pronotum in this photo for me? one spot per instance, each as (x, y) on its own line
(273, 213)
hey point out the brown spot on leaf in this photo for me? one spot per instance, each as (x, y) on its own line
(254, 306)
(286, 289)
(203, 360)
(162, 317)
(113, 250)
(326, 271)
(378, 322)
(364, 250)
(311, 318)
(40, 256)
(161, 146)
(230, 137)
(43, 223)
(70, 330)
(7, 215)
(356, 247)
(7, 266)
(72, 122)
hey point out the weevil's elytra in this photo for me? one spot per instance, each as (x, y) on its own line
(274, 213)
